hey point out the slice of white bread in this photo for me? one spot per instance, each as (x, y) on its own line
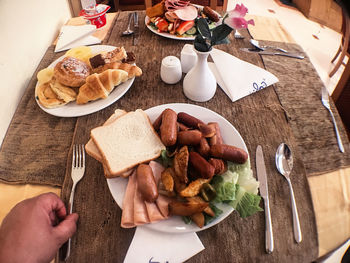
(91, 148)
(127, 142)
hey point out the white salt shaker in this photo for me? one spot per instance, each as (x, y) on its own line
(188, 58)
(170, 70)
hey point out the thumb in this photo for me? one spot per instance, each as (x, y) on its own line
(66, 228)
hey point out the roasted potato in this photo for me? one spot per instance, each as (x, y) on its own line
(167, 179)
(193, 188)
(199, 219)
(181, 164)
(198, 199)
(186, 208)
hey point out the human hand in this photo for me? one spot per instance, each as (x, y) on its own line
(30, 233)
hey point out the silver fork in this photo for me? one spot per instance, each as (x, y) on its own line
(78, 170)
(325, 102)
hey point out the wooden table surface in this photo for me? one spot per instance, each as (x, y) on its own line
(266, 118)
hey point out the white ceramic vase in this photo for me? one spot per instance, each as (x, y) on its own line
(199, 83)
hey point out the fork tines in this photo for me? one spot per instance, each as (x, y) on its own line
(78, 158)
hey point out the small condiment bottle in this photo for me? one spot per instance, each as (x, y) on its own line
(170, 71)
(188, 58)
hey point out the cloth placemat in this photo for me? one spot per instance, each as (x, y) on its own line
(256, 117)
(299, 90)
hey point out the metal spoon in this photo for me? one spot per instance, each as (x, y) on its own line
(128, 31)
(256, 44)
(284, 164)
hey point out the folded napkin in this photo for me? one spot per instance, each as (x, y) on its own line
(238, 78)
(75, 36)
(152, 246)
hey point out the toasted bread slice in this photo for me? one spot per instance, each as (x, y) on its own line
(127, 142)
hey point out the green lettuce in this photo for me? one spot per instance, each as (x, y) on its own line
(238, 188)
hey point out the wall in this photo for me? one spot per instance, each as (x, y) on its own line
(27, 29)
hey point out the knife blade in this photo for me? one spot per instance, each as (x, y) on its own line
(136, 29)
(264, 192)
(273, 53)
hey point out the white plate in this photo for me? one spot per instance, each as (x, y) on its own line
(230, 136)
(74, 110)
(168, 35)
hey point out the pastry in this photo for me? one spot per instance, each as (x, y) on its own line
(64, 93)
(133, 71)
(100, 85)
(71, 72)
(118, 54)
(46, 97)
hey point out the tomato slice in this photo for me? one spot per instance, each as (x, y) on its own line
(184, 26)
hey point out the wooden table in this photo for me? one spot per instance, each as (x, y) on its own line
(279, 113)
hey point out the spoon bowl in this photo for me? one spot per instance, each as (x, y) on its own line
(284, 164)
(128, 31)
(284, 160)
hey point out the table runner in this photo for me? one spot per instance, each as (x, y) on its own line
(256, 117)
(36, 144)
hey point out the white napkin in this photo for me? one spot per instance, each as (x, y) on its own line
(75, 36)
(238, 78)
(153, 246)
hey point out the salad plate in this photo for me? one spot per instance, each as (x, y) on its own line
(74, 110)
(230, 135)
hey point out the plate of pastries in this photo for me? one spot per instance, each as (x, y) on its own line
(85, 80)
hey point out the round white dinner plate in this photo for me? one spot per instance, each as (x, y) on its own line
(74, 110)
(230, 135)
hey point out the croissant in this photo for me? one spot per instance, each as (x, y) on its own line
(100, 85)
(133, 71)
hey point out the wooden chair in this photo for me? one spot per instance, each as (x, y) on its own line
(341, 93)
(218, 5)
(344, 45)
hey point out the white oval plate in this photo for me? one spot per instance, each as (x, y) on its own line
(168, 35)
(74, 110)
(230, 135)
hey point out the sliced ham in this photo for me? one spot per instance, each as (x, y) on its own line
(187, 13)
(140, 211)
(128, 203)
(162, 201)
(154, 214)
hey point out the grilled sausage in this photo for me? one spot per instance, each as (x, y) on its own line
(219, 165)
(190, 137)
(188, 120)
(228, 153)
(146, 183)
(157, 122)
(205, 169)
(168, 128)
(204, 148)
(216, 139)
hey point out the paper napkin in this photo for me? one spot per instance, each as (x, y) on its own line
(74, 36)
(152, 246)
(238, 78)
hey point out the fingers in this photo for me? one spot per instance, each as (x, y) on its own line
(51, 202)
(66, 228)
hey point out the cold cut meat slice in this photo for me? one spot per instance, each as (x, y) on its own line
(140, 211)
(128, 203)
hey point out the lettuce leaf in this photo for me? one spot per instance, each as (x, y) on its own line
(238, 188)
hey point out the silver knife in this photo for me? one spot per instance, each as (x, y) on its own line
(136, 29)
(264, 192)
(269, 52)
